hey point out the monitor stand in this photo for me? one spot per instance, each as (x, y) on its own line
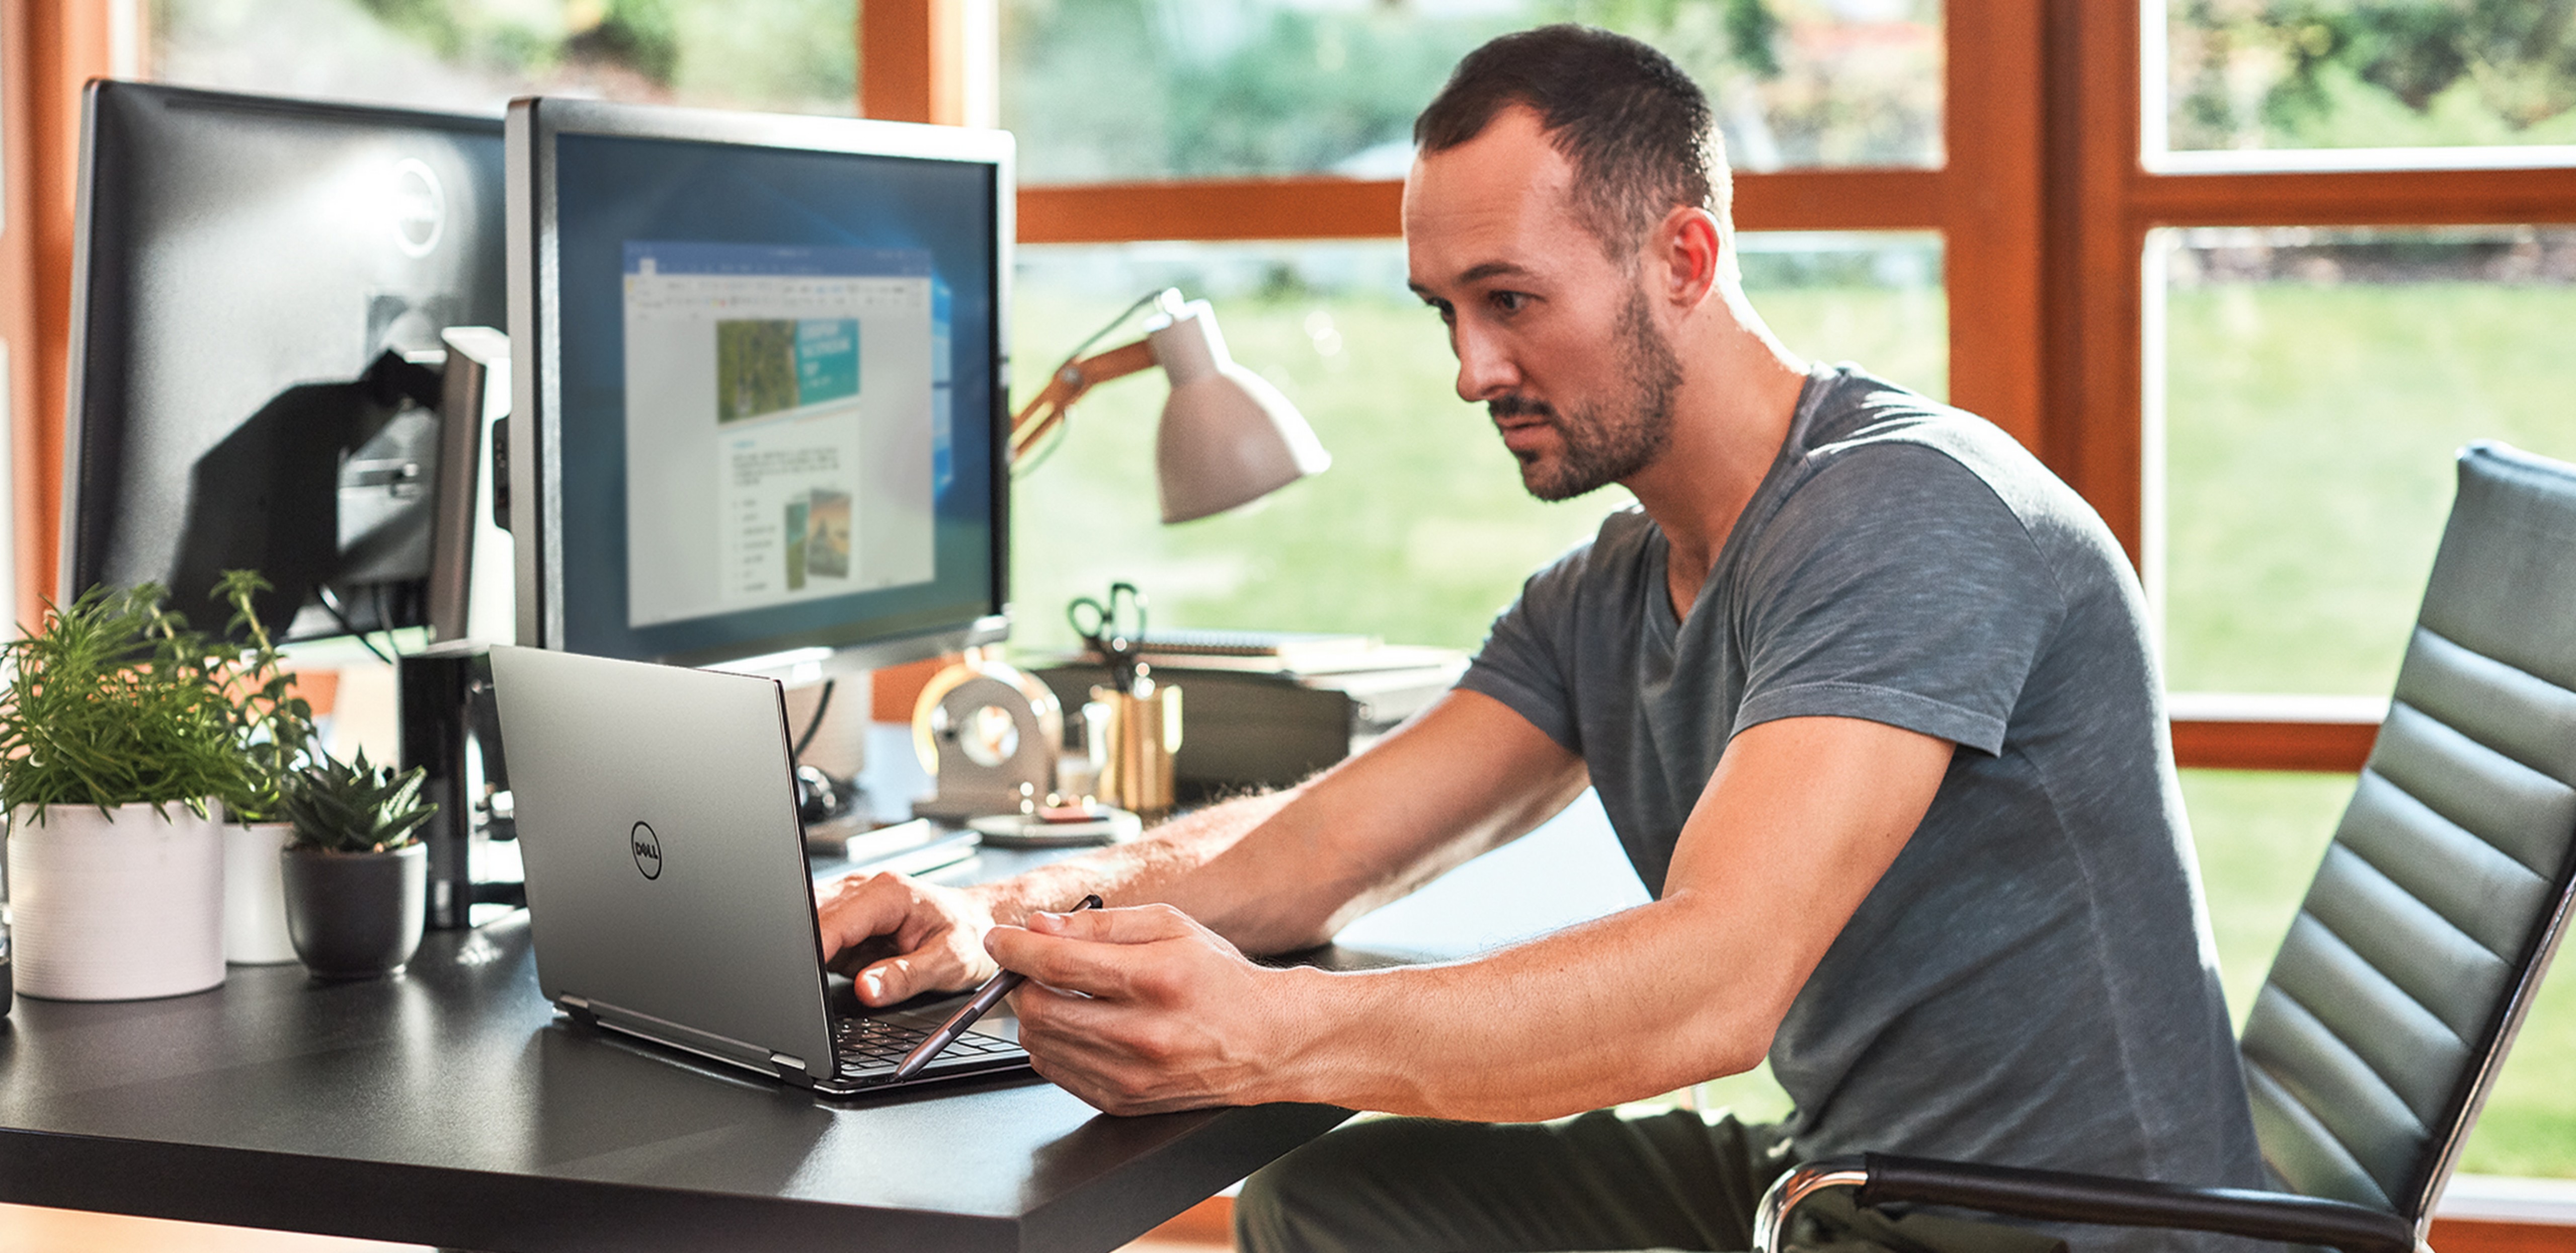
(451, 730)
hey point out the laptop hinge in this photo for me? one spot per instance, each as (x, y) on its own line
(664, 1031)
(791, 1069)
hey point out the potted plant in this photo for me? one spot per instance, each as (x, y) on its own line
(273, 728)
(116, 737)
(357, 877)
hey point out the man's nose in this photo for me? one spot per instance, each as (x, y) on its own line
(1485, 370)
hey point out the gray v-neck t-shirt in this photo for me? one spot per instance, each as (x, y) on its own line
(2031, 982)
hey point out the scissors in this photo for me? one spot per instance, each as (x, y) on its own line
(1115, 629)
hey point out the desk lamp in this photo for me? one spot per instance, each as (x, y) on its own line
(1227, 437)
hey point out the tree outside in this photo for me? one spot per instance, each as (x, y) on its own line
(797, 56)
(2250, 74)
(1117, 89)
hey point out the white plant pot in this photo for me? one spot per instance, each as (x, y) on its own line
(122, 906)
(255, 895)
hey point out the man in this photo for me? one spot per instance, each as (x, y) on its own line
(1864, 691)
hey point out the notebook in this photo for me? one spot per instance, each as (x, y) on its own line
(668, 893)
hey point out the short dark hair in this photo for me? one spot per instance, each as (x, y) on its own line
(1637, 130)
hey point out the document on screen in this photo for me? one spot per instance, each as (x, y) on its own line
(780, 425)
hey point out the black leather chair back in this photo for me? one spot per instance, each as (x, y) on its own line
(2418, 949)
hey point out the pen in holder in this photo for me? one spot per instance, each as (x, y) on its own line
(1144, 730)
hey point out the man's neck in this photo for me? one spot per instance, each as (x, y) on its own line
(1739, 394)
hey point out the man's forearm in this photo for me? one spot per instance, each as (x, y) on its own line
(1143, 1010)
(1467, 775)
(1795, 828)
(1623, 1008)
(1137, 872)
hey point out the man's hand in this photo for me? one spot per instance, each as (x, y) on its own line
(1142, 1010)
(899, 938)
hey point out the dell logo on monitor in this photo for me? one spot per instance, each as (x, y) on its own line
(648, 850)
(419, 208)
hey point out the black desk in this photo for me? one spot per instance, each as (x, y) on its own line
(447, 1107)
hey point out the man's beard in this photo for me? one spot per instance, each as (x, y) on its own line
(1603, 446)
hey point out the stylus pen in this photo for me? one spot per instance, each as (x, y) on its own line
(986, 997)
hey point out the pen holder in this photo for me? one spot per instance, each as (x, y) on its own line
(1144, 730)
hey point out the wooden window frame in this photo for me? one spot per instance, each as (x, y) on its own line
(2041, 127)
(2103, 200)
(48, 50)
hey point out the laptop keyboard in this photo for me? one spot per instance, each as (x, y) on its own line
(870, 1048)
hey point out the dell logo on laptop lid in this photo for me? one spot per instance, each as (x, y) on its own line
(648, 850)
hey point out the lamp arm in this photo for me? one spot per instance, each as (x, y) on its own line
(1045, 410)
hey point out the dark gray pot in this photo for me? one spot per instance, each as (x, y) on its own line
(355, 915)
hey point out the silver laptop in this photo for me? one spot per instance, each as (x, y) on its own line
(668, 892)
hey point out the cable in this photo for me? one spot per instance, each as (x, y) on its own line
(330, 601)
(1055, 438)
(385, 618)
(1103, 332)
(815, 723)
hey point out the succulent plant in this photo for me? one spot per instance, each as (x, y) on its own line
(354, 807)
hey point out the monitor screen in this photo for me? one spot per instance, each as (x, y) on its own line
(242, 266)
(767, 377)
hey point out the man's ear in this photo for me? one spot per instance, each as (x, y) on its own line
(1686, 252)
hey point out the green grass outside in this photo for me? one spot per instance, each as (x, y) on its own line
(2261, 836)
(1420, 533)
(2309, 444)
(2310, 437)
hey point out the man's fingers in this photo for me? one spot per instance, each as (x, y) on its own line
(942, 967)
(858, 907)
(1112, 1056)
(1139, 924)
(888, 981)
(898, 939)
(1084, 966)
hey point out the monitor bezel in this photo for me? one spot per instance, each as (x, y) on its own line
(533, 126)
(83, 370)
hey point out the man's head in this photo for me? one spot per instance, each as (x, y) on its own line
(1542, 142)
(1636, 129)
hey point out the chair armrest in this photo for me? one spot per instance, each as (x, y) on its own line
(2065, 1197)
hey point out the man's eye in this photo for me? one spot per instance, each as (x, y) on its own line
(1447, 311)
(1507, 301)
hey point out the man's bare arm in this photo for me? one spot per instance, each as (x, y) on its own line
(1270, 873)
(1798, 823)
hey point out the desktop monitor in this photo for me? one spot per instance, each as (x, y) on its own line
(759, 383)
(242, 268)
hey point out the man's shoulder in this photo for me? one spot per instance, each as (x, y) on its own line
(1861, 418)
(1901, 449)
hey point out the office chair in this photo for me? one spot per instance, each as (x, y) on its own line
(2387, 1013)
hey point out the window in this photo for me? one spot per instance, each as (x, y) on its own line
(781, 55)
(2284, 306)
(2044, 147)
(2251, 75)
(2316, 383)
(1138, 89)
(1420, 532)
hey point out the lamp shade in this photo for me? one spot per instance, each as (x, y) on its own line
(1228, 437)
